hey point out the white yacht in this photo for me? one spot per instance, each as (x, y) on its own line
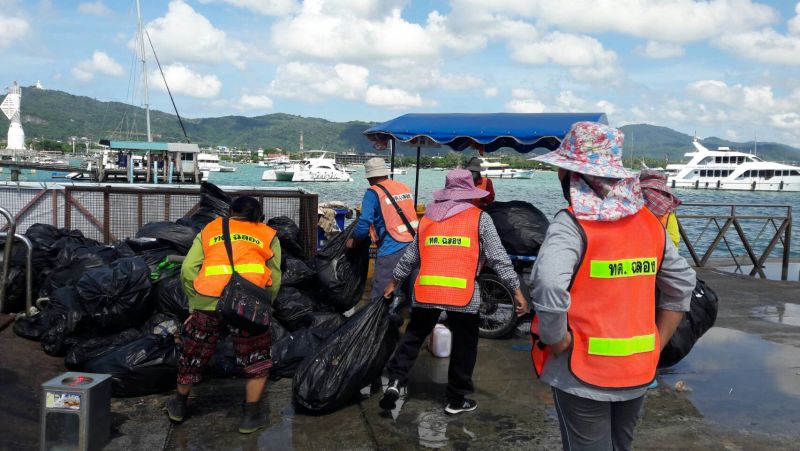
(209, 162)
(316, 166)
(731, 170)
(279, 161)
(498, 170)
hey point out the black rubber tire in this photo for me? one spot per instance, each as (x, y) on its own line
(498, 317)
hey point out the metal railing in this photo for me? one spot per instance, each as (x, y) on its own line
(744, 219)
(9, 237)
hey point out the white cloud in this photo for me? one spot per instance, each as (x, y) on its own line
(101, 63)
(766, 46)
(13, 28)
(661, 50)
(524, 101)
(311, 82)
(263, 7)
(366, 32)
(794, 23)
(186, 36)
(184, 81)
(421, 78)
(394, 98)
(585, 55)
(786, 121)
(752, 98)
(254, 102)
(97, 8)
(491, 91)
(676, 21)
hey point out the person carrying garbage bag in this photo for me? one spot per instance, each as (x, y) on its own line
(599, 326)
(389, 218)
(455, 240)
(205, 273)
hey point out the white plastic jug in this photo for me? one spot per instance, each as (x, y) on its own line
(441, 341)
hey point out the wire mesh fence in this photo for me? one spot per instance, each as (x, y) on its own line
(109, 213)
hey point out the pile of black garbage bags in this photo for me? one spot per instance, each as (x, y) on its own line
(118, 309)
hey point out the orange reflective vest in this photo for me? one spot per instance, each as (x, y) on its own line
(615, 342)
(394, 224)
(251, 243)
(484, 185)
(449, 254)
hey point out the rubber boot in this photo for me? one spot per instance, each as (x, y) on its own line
(253, 418)
(176, 408)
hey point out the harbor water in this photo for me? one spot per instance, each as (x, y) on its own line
(543, 191)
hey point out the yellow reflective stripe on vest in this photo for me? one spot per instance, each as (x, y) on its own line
(236, 237)
(247, 268)
(621, 347)
(629, 267)
(462, 241)
(443, 281)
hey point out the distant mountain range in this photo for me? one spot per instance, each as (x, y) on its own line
(58, 115)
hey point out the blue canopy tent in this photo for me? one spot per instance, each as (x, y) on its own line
(486, 132)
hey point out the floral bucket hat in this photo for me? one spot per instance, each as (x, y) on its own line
(590, 148)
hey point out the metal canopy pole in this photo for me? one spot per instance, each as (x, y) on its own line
(12, 227)
(416, 180)
(391, 163)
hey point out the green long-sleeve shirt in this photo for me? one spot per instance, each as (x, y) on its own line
(194, 261)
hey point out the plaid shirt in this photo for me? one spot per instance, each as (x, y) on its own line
(657, 196)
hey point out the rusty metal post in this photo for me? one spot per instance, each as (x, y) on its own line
(67, 208)
(54, 194)
(787, 245)
(106, 215)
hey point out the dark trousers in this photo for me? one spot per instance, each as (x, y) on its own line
(587, 424)
(464, 327)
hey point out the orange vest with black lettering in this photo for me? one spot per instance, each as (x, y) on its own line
(449, 254)
(615, 342)
(251, 243)
(394, 224)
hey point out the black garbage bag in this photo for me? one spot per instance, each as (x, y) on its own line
(116, 295)
(170, 297)
(290, 351)
(161, 324)
(695, 323)
(521, 226)
(178, 236)
(288, 234)
(67, 322)
(48, 241)
(326, 320)
(292, 308)
(342, 274)
(73, 262)
(351, 358)
(213, 204)
(15, 290)
(31, 327)
(151, 250)
(296, 272)
(93, 348)
(144, 366)
(223, 362)
(278, 331)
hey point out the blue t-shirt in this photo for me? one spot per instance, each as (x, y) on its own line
(371, 215)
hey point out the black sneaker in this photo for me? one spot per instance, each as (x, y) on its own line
(467, 405)
(176, 408)
(391, 395)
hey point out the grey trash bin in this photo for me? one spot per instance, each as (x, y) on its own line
(76, 412)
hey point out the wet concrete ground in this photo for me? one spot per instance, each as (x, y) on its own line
(742, 392)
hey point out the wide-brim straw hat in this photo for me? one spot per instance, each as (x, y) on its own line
(590, 148)
(458, 185)
(376, 167)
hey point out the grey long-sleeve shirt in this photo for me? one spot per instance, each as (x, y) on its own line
(550, 281)
(493, 254)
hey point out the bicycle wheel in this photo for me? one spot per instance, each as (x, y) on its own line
(497, 315)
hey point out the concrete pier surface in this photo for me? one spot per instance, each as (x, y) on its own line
(738, 389)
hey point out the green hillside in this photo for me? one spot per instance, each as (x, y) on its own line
(58, 115)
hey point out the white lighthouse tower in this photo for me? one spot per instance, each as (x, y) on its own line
(10, 107)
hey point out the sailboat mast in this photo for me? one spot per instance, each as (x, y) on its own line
(144, 69)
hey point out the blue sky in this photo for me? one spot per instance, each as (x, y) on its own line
(728, 68)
